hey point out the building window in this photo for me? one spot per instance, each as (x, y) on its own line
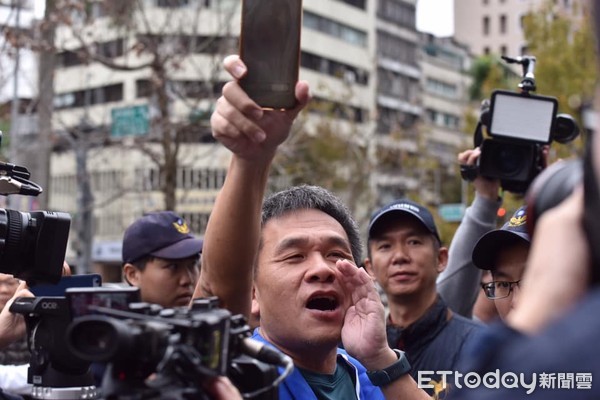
(503, 50)
(337, 110)
(395, 48)
(503, 20)
(334, 28)
(440, 88)
(71, 58)
(486, 50)
(390, 120)
(486, 25)
(356, 3)
(333, 68)
(524, 50)
(398, 12)
(172, 3)
(89, 97)
(397, 85)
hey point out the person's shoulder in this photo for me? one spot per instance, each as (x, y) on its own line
(467, 322)
(463, 326)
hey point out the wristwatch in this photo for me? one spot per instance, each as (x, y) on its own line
(388, 375)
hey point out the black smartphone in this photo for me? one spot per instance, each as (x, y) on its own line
(71, 281)
(270, 48)
(80, 299)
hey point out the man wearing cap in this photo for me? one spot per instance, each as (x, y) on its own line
(162, 258)
(504, 251)
(405, 257)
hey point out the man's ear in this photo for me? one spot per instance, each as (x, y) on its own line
(369, 267)
(254, 320)
(131, 274)
(442, 259)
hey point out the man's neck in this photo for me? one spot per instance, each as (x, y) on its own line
(320, 358)
(322, 364)
(406, 310)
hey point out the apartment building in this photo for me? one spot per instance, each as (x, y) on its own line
(496, 26)
(445, 67)
(398, 97)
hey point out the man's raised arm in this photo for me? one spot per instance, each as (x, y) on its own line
(233, 231)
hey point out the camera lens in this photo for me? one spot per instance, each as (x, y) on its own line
(33, 244)
(509, 160)
(94, 339)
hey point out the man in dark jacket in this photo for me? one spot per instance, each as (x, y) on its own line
(405, 257)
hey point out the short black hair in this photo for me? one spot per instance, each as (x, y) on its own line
(307, 197)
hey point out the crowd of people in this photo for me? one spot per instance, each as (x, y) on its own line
(501, 312)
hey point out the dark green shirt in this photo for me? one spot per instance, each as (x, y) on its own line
(339, 386)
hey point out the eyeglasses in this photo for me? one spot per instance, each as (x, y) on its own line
(499, 289)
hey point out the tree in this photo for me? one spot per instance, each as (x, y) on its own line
(566, 67)
(327, 147)
(177, 52)
(168, 43)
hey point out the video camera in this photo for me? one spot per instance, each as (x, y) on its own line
(149, 352)
(32, 244)
(513, 129)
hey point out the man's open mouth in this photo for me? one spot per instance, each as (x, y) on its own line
(322, 303)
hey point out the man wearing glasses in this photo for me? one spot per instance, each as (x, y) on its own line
(504, 252)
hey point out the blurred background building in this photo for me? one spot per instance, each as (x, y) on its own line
(126, 90)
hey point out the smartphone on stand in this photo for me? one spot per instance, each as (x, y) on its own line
(270, 48)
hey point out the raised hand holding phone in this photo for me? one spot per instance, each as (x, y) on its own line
(270, 48)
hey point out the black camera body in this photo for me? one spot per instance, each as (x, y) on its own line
(513, 130)
(54, 370)
(130, 341)
(32, 244)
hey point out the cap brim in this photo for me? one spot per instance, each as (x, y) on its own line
(183, 249)
(388, 213)
(486, 250)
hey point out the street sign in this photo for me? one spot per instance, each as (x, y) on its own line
(452, 212)
(129, 121)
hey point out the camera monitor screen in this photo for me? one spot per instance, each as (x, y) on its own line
(80, 299)
(522, 117)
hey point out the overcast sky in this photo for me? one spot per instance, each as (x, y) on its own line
(436, 16)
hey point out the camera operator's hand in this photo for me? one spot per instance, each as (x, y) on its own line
(221, 388)
(244, 127)
(66, 271)
(485, 187)
(558, 268)
(12, 326)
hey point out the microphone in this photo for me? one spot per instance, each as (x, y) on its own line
(10, 185)
(264, 353)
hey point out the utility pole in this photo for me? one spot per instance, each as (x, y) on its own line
(47, 63)
(14, 201)
(85, 198)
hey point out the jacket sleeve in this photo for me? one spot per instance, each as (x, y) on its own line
(459, 283)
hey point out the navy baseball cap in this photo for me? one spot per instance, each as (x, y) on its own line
(408, 207)
(161, 234)
(489, 245)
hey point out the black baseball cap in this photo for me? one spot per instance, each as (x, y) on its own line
(421, 213)
(489, 245)
(161, 234)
